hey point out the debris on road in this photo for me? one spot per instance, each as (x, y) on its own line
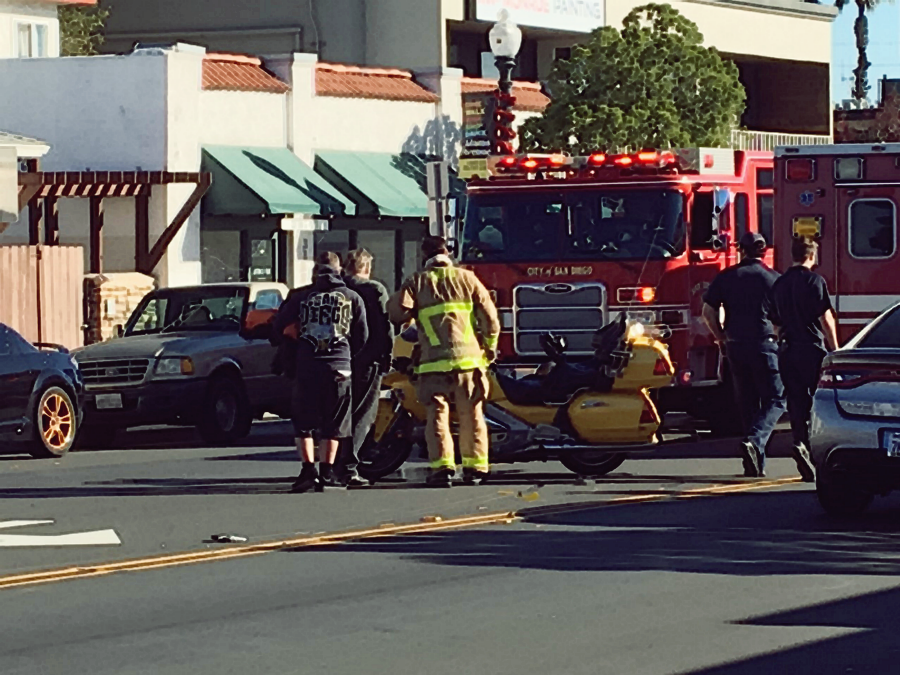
(228, 539)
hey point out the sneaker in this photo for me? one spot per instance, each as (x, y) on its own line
(440, 478)
(354, 480)
(804, 463)
(307, 480)
(475, 477)
(751, 458)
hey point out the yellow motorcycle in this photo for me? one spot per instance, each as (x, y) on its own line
(588, 415)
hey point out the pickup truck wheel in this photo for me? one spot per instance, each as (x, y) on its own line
(55, 424)
(838, 497)
(225, 416)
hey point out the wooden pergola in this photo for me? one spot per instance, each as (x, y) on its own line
(41, 192)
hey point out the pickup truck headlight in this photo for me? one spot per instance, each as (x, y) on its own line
(174, 366)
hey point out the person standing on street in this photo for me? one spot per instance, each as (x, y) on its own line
(330, 324)
(457, 325)
(804, 312)
(749, 344)
(370, 364)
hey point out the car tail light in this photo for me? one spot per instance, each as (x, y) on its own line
(836, 377)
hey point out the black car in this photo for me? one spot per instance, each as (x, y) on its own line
(40, 396)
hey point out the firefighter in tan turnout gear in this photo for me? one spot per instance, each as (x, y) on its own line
(458, 329)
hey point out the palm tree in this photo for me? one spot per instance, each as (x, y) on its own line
(861, 29)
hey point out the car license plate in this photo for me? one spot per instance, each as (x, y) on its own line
(108, 401)
(892, 443)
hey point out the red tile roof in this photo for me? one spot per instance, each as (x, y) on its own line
(235, 72)
(529, 96)
(379, 83)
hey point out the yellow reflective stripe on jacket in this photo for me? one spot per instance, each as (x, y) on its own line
(449, 365)
(427, 314)
(491, 341)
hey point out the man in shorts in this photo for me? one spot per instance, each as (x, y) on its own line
(330, 324)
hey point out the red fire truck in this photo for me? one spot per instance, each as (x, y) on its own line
(846, 197)
(566, 243)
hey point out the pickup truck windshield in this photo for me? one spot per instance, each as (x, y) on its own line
(578, 225)
(208, 309)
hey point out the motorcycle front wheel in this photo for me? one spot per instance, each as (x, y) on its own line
(382, 458)
(592, 462)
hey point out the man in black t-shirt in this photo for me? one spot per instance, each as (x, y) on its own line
(328, 321)
(803, 311)
(748, 340)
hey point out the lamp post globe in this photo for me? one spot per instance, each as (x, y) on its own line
(506, 41)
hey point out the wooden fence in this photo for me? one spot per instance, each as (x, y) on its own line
(41, 292)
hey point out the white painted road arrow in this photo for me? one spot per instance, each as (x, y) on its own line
(95, 538)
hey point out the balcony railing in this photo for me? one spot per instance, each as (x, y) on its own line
(766, 140)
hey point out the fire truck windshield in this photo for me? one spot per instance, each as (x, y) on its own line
(518, 226)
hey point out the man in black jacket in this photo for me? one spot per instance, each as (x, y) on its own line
(329, 320)
(804, 312)
(749, 342)
(370, 364)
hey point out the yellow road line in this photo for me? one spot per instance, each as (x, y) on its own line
(207, 555)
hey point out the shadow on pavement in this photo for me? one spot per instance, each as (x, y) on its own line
(873, 648)
(747, 534)
(740, 535)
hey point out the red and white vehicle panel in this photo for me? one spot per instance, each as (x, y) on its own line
(846, 197)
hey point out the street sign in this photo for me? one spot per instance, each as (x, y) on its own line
(93, 538)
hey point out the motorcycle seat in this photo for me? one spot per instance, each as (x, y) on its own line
(525, 391)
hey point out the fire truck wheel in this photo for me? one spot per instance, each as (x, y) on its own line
(592, 462)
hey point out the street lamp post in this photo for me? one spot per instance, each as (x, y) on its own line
(506, 40)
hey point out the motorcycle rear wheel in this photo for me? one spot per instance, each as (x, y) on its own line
(377, 460)
(592, 462)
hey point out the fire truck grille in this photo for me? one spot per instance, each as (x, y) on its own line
(573, 310)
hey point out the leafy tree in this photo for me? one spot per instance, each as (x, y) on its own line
(81, 29)
(652, 84)
(861, 29)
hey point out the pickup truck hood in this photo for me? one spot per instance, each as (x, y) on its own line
(148, 346)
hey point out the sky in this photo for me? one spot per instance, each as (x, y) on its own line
(884, 49)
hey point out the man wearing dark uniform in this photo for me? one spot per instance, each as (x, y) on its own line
(371, 364)
(804, 312)
(329, 322)
(749, 342)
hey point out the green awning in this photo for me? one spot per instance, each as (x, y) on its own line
(272, 181)
(382, 184)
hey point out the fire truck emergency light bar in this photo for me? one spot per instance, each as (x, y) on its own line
(653, 160)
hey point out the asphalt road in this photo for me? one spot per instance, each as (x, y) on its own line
(672, 565)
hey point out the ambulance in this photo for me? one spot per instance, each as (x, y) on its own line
(845, 197)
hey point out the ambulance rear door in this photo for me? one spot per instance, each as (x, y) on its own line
(865, 259)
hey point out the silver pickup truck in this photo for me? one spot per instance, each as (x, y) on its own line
(187, 356)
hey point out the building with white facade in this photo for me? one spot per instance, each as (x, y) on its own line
(30, 28)
(781, 47)
(302, 155)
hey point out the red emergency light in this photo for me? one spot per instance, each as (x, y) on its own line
(800, 170)
(623, 160)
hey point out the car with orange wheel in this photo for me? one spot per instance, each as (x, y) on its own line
(41, 396)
